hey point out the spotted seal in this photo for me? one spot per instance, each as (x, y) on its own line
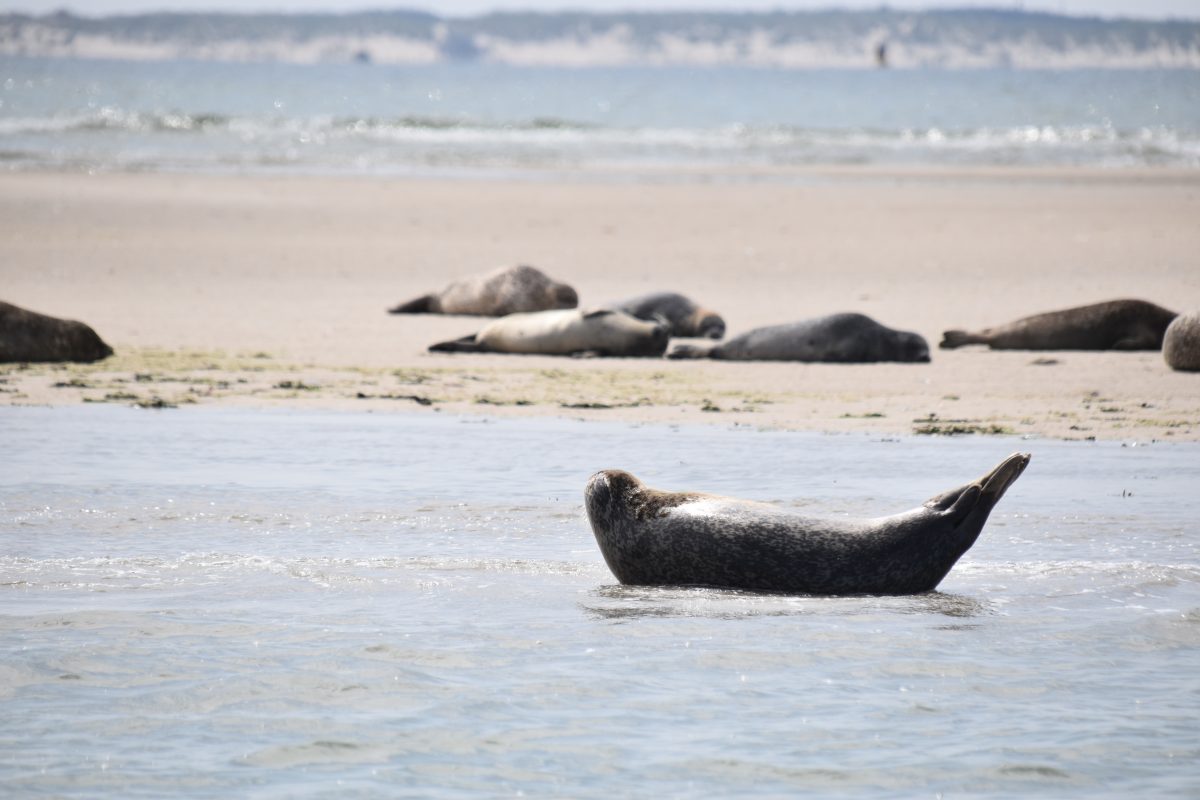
(1111, 325)
(655, 538)
(508, 290)
(843, 338)
(602, 332)
(29, 336)
(685, 317)
(1181, 343)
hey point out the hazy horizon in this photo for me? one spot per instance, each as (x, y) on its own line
(1147, 9)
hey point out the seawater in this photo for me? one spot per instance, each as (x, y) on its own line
(486, 119)
(215, 603)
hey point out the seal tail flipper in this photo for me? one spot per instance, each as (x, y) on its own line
(691, 351)
(466, 344)
(420, 305)
(957, 338)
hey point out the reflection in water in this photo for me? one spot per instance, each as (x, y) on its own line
(633, 602)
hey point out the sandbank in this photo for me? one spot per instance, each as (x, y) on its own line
(271, 291)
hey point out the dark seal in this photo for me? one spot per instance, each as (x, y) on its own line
(654, 538)
(838, 338)
(685, 317)
(1112, 325)
(26, 336)
(508, 290)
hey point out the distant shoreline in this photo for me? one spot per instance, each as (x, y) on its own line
(949, 39)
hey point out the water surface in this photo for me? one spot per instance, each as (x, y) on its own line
(214, 603)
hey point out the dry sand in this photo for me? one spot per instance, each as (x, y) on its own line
(270, 291)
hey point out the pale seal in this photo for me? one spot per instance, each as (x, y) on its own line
(842, 338)
(30, 336)
(685, 317)
(1181, 343)
(1112, 325)
(655, 538)
(508, 290)
(560, 333)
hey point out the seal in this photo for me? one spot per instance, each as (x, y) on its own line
(1181, 343)
(1111, 325)
(841, 338)
(27, 336)
(655, 538)
(508, 290)
(685, 317)
(569, 332)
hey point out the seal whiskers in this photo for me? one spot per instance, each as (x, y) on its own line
(656, 538)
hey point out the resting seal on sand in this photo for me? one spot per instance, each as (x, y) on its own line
(1181, 343)
(685, 317)
(29, 336)
(1112, 325)
(844, 338)
(655, 538)
(561, 333)
(507, 290)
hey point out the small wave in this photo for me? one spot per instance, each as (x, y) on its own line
(322, 141)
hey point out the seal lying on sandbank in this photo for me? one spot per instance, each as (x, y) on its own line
(561, 333)
(1112, 325)
(30, 336)
(655, 538)
(508, 290)
(1181, 343)
(842, 338)
(686, 318)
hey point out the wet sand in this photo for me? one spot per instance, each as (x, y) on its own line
(269, 291)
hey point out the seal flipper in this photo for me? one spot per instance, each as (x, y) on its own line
(956, 338)
(466, 344)
(975, 501)
(692, 351)
(421, 305)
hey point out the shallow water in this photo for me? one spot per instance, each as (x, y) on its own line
(214, 603)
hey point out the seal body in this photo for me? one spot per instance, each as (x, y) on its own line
(844, 338)
(508, 290)
(29, 336)
(684, 316)
(568, 332)
(1181, 343)
(1112, 325)
(654, 538)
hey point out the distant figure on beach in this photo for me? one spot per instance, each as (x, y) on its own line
(1112, 325)
(508, 290)
(1181, 343)
(881, 55)
(685, 317)
(571, 332)
(29, 336)
(838, 338)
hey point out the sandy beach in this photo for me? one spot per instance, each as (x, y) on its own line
(271, 291)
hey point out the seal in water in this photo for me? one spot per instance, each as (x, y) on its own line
(1112, 325)
(655, 538)
(1181, 343)
(561, 333)
(29, 336)
(684, 316)
(508, 290)
(842, 338)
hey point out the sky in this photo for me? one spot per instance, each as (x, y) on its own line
(1150, 9)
